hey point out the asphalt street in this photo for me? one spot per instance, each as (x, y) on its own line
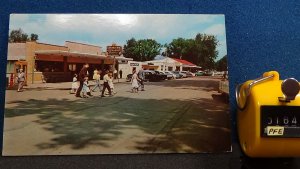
(174, 116)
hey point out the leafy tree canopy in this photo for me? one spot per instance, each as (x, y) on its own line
(141, 50)
(18, 36)
(201, 50)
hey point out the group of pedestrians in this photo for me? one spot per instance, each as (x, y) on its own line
(102, 81)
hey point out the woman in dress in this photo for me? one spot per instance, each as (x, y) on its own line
(134, 82)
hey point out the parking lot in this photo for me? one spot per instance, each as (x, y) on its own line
(172, 116)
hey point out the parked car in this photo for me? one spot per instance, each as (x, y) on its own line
(188, 74)
(183, 74)
(216, 73)
(162, 73)
(150, 75)
(154, 76)
(208, 73)
(170, 73)
(177, 74)
(199, 73)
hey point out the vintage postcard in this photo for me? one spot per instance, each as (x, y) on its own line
(116, 84)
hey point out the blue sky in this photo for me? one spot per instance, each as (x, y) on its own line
(105, 29)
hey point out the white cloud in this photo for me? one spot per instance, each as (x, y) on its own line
(17, 20)
(217, 29)
(103, 29)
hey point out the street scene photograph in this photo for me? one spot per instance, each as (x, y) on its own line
(116, 84)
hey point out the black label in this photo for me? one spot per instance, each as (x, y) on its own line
(280, 121)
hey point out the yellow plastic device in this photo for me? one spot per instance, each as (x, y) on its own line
(268, 117)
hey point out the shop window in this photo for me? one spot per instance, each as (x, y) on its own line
(72, 67)
(49, 66)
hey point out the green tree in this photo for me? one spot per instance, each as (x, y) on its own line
(17, 36)
(201, 50)
(34, 37)
(177, 48)
(221, 65)
(128, 50)
(206, 50)
(141, 50)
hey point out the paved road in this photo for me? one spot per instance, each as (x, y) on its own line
(186, 115)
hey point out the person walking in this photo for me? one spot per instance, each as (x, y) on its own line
(121, 73)
(21, 80)
(105, 84)
(95, 74)
(86, 88)
(134, 82)
(141, 77)
(82, 74)
(74, 84)
(97, 81)
(111, 83)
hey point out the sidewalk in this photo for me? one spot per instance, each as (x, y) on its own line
(62, 85)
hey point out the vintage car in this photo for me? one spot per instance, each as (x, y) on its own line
(170, 75)
(150, 75)
(208, 73)
(188, 74)
(177, 74)
(199, 73)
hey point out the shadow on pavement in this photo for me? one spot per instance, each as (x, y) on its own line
(177, 125)
(197, 82)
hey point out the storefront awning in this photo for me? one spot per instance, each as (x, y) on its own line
(191, 66)
(122, 58)
(69, 54)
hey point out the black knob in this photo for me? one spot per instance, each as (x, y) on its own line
(290, 88)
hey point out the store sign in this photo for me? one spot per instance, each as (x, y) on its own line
(114, 50)
(108, 61)
(134, 64)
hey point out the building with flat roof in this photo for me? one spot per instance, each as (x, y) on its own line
(186, 65)
(16, 52)
(172, 64)
(57, 63)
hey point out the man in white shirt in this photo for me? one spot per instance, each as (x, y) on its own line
(105, 84)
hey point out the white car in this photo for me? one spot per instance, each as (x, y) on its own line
(170, 73)
(187, 73)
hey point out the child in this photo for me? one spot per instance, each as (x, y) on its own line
(74, 84)
(85, 88)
